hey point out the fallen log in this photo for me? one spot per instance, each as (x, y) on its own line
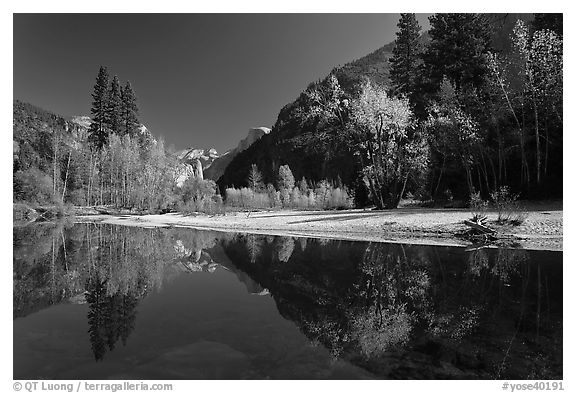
(479, 227)
(102, 210)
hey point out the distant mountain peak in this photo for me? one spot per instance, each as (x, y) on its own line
(265, 130)
(83, 121)
(204, 155)
(218, 166)
(86, 121)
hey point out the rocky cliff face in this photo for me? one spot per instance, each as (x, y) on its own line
(185, 171)
(85, 121)
(204, 156)
(208, 164)
(219, 165)
(193, 162)
(253, 135)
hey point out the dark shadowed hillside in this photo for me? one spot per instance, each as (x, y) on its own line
(307, 153)
(33, 135)
(304, 148)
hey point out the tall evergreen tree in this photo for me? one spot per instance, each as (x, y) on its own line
(458, 50)
(130, 121)
(547, 22)
(100, 102)
(406, 57)
(115, 106)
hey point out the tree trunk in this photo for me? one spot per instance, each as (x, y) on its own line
(498, 180)
(468, 177)
(442, 169)
(378, 186)
(404, 186)
(66, 177)
(54, 161)
(89, 181)
(537, 132)
(525, 173)
(547, 146)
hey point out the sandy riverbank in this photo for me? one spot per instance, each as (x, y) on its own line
(541, 230)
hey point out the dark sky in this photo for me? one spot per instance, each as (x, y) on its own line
(201, 80)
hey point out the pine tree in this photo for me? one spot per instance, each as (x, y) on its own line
(458, 50)
(406, 56)
(130, 121)
(551, 22)
(99, 128)
(115, 106)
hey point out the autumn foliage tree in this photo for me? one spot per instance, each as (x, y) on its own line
(453, 133)
(390, 147)
(255, 178)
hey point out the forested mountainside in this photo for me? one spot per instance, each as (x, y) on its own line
(508, 145)
(289, 142)
(54, 162)
(467, 110)
(33, 131)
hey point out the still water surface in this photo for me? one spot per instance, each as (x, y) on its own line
(96, 301)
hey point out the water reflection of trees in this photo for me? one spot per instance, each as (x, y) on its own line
(109, 267)
(362, 301)
(368, 301)
(110, 317)
(122, 264)
(390, 290)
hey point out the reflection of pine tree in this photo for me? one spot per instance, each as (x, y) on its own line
(111, 317)
(127, 317)
(96, 298)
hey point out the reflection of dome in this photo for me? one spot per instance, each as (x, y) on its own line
(199, 261)
(193, 267)
(263, 292)
(78, 299)
(180, 249)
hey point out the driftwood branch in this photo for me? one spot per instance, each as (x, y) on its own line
(479, 227)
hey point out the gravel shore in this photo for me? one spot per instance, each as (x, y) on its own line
(542, 228)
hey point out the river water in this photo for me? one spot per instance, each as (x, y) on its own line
(94, 301)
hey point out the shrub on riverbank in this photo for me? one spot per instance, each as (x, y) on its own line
(508, 207)
(323, 197)
(198, 195)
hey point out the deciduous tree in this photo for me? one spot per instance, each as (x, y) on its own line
(255, 178)
(390, 147)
